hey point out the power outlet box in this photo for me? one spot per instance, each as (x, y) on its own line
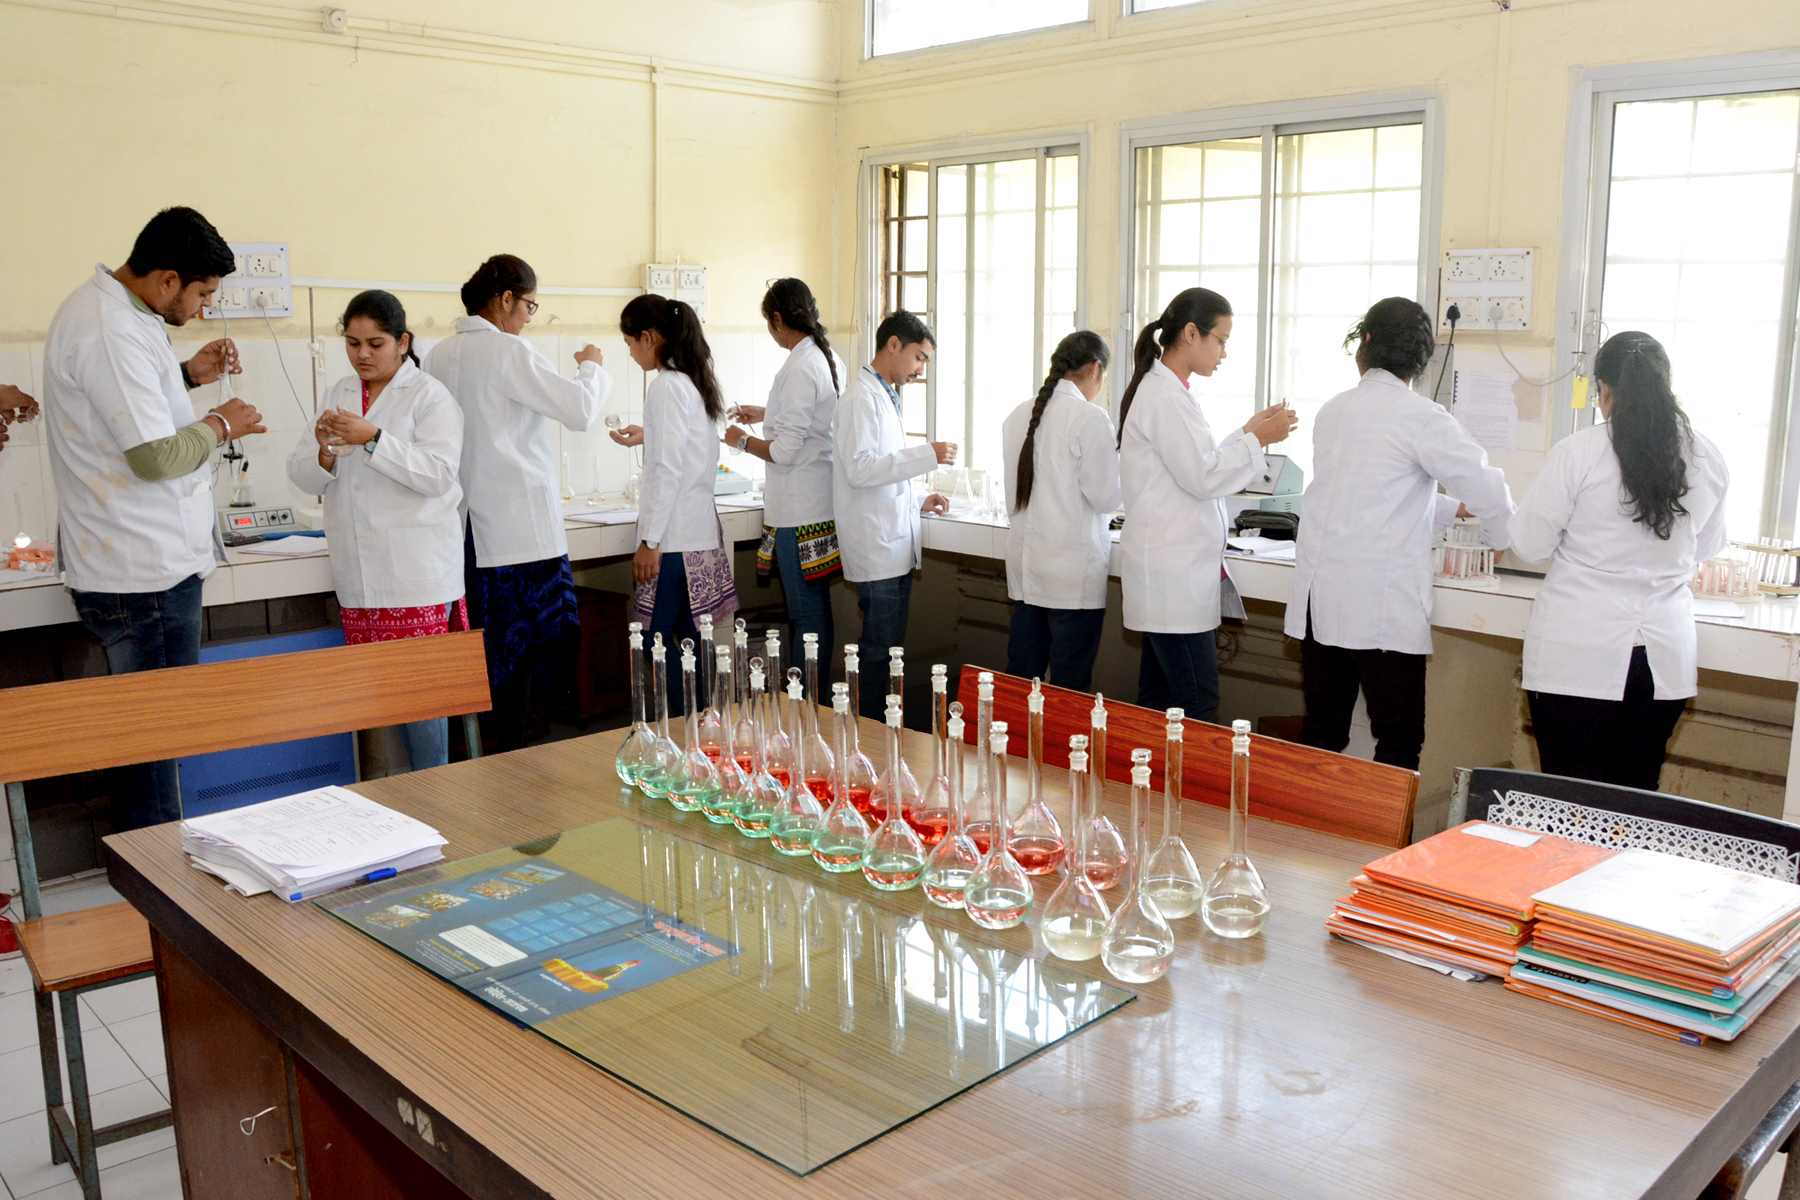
(678, 281)
(1491, 288)
(260, 283)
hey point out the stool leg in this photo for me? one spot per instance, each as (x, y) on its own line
(53, 1095)
(86, 1168)
(472, 734)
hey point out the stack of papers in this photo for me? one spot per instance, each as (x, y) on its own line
(1677, 947)
(1459, 902)
(305, 845)
(1276, 549)
(294, 545)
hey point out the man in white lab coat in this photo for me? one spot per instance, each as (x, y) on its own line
(1361, 598)
(134, 497)
(873, 497)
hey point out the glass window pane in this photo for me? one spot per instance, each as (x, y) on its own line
(1745, 133)
(1233, 168)
(1230, 232)
(902, 25)
(1399, 156)
(1333, 162)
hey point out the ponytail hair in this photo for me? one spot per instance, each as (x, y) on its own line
(1650, 432)
(1072, 354)
(386, 311)
(792, 301)
(498, 275)
(683, 346)
(1196, 306)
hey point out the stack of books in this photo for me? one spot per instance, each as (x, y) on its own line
(1459, 902)
(305, 845)
(1680, 948)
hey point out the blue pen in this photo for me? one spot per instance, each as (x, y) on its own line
(371, 877)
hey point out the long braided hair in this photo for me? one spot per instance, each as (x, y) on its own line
(1650, 433)
(1074, 352)
(1195, 306)
(792, 301)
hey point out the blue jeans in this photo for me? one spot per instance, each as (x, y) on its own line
(883, 603)
(144, 631)
(673, 617)
(808, 604)
(1058, 645)
(427, 742)
(1180, 670)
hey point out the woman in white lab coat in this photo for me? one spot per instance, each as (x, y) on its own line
(1172, 550)
(1062, 475)
(1623, 511)
(682, 567)
(799, 540)
(1360, 604)
(384, 454)
(516, 559)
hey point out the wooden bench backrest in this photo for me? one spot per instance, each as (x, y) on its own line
(1298, 785)
(117, 720)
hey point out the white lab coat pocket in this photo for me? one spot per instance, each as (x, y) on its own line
(414, 554)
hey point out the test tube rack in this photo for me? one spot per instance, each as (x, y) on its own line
(1774, 564)
(1457, 556)
(1727, 577)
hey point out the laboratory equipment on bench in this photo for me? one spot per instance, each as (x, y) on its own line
(27, 555)
(1730, 576)
(1236, 904)
(728, 482)
(1775, 564)
(244, 527)
(1276, 490)
(1457, 555)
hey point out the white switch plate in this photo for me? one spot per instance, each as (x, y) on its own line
(1477, 281)
(659, 279)
(260, 283)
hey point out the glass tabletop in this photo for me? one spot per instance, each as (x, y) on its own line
(798, 1020)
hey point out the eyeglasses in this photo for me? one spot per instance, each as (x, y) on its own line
(531, 306)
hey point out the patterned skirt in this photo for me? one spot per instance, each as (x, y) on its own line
(391, 624)
(527, 612)
(712, 589)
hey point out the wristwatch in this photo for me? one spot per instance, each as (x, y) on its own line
(743, 442)
(369, 445)
(653, 545)
(187, 380)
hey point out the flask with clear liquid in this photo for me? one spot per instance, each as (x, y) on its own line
(734, 781)
(693, 780)
(1037, 838)
(998, 895)
(639, 748)
(1075, 916)
(653, 779)
(843, 837)
(1172, 879)
(896, 794)
(1237, 904)
(1107, 855)
(954, 859)
(756, 811)
(896, 857)
(743, 728)
(857, 773)
(799, 814)
(712, 709)
(931, 818)
(978, 801)
(818, 759)
(1138, 944)
(778, 748)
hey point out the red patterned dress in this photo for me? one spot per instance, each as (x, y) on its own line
(391, 624)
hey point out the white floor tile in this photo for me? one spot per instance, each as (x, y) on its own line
(25, 1157)
(85, 892)
(142, 1039)
(21, 1085)
(1768, 1184)
(25, 1165)
(161, 1084)
(18, 1023)
(108, 1066)
(15, 976)
(154, 1177)
(123, 1002)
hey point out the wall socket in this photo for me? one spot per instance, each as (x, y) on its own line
(1492, 288)
(260, 283)
(678, 281)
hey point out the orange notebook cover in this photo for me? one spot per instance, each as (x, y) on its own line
(1485, 866)
(1600, 1010)
(1503, 927)
(1370, 912)
(1454, 956)
(1655, 963)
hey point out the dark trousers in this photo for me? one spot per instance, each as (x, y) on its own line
(673, 616)
(1058, 645)
(1609, 741)
(808, 605)
(884, 604)
(144, 631)
(1392, 683)
(1180, 670)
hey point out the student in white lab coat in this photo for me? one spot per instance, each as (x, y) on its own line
(1062, 475)
(1174, 475)
(515, 558)
(682, 567)
(1623, 511)
(1361, 599)
(135, 523)
(384, 454)
(799, 537)
(876, 503)
(15, 408)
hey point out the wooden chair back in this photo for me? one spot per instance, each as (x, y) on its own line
(1297, 785)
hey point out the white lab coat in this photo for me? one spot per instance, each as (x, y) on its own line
(391, 520)
(797, 422)
(1364, 554)
(681, 464)
(1057, 548)
(1172, 549)
(509, 393)
(872, 493)
(111, 383)
(1611, 581)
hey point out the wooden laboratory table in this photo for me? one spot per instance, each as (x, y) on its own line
(1289, 1066)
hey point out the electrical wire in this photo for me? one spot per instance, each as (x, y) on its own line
(1494, 323)
(294, 391)
(1449, 350)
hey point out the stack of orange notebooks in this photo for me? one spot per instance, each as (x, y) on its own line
(1459, 902)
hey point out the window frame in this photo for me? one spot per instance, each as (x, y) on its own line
(987, 42)
(1587, 194)
(965, 153)
(1270, 121)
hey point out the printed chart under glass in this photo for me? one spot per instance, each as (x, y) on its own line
(798, 1020)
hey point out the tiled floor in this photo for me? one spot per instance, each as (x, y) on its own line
(122, 1033)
